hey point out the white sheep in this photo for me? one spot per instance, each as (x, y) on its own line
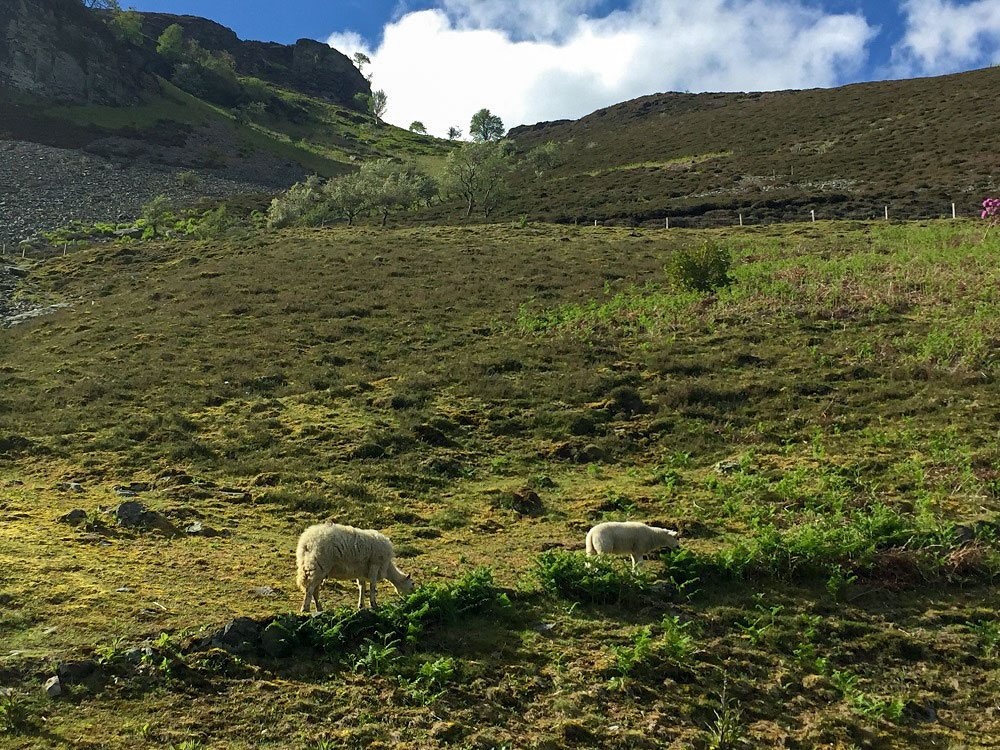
(329, 550)
(628, 538)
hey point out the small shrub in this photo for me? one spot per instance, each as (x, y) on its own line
(188, 179)
(988, 633)
(431, 680)
(597, 580)
(677, 643)
(727, 731)
(379, 657)
(701, 269)
(628, 659)
(13, 714)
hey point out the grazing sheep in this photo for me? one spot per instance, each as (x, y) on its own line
(630, 538)
(329, 550)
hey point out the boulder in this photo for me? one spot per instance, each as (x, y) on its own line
(74, 518)
(241, 635)
(72, 672)
(53, 687)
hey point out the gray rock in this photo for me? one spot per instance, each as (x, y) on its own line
(727, 466)
(70, 486)
(966, 533)
(134, 487)
(274, 641)
(235, 496)
(53, 687)
(591, 453)
(132, 514)
(135, 655)
(74, 517)
(19, 273)
(72, 672)
(265, 591)
(199, 529)
(124, 492)
(238, 636)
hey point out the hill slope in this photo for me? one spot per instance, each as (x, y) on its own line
(917, 145)
(823, 432)
(104, 124)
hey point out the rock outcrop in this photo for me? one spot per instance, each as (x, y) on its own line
(307, 66)
(60, 51)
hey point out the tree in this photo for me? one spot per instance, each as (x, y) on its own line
(378, 103)
(418, 127)
(486, 126)
(347, 195)
(454, 133)
(170, 45)
(158, 212)
(301, 204)
(388, 186)
(360, 61)
(126, 24)
(543, 158)
(478, 172)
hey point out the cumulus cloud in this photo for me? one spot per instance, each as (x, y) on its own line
(533, 60)
(942, 36)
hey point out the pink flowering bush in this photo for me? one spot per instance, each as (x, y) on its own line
(991, 212)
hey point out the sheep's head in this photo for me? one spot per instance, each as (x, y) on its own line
(670, 538)
(405, 586)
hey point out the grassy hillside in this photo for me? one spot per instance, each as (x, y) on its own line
(180, 130)
(822, 431)
(917, 145)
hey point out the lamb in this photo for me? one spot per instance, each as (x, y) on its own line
(629, 538)
(330, 550)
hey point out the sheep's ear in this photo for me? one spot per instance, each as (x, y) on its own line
(673, 533)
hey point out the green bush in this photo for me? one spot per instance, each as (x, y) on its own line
(339, 632)
(701, 269)
(597, 580)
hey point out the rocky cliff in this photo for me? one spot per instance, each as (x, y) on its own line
(308, 66)
(61, 51)
(58, 50)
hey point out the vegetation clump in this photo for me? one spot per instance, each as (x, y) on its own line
(431, 606)
(702, 269)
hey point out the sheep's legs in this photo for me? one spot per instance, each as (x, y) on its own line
(361, 593)
(312, 594)
(636, 562)
(373, 581)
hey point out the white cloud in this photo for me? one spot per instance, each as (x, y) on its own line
(945, 37)
(532, 60)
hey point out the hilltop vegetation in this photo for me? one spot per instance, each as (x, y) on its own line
(818, 420)
(701, 159)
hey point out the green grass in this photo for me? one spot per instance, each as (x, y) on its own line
(324, 138)
(680, 161)
(821, 431)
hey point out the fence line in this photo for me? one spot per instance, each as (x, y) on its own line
(739, 218)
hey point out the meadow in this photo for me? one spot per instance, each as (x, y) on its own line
(821, 426)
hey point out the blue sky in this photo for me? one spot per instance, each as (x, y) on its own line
(531, 60)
